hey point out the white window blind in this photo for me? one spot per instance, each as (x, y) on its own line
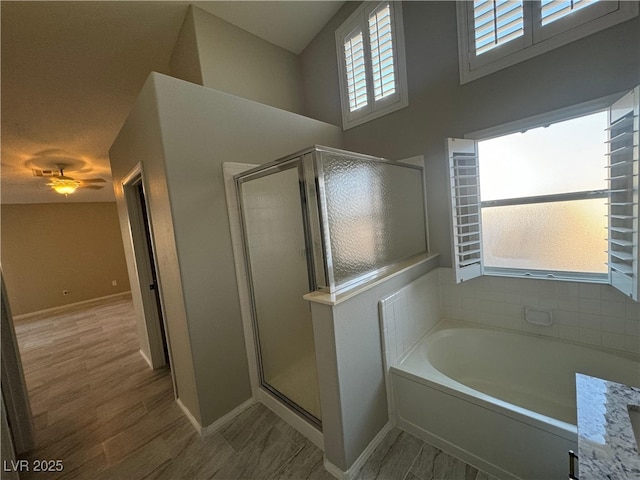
(466, 216)
(382, 63)
(623, 167)
(552, 10)
(355, 71)
(496, 22)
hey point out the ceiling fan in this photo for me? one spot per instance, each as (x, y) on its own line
(66, 185)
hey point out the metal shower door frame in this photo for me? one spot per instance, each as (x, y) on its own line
(295, 161)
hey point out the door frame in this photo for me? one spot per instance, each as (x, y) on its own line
(18, 435)
(309, 430)
(153, 311)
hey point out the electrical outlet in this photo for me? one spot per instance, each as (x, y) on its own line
(114, 283)
(65, 292)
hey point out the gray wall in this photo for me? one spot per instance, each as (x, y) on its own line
(182, 133)
(320, 71)
(140, 141)
(216, 54)
(185, 59)
(350, 369)
(51, 247)
(605, 63)
(201, 129)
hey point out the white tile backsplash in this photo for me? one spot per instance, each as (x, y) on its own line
(406, 315)
(592, 314)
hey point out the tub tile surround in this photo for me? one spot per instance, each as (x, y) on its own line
(584, 313)
(406, 315)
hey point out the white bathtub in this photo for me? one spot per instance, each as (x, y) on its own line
(502, 401)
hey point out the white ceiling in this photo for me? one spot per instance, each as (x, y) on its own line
(72, 70)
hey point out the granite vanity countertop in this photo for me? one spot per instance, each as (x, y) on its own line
(607, 448)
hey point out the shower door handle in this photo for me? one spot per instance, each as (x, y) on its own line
(572, 465)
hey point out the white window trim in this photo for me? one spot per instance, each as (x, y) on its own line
(468, 258)
(536, 39)
(547, 118)
(384, 106)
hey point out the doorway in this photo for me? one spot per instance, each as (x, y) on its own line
(146, 270)
(154, 275)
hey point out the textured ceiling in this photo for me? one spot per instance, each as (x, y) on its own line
(72, 70)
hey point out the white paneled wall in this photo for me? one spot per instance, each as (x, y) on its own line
(408, 314)
(585, 313)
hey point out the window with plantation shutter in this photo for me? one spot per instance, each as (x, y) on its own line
(370, 46)
(495, 34)
(519, 208)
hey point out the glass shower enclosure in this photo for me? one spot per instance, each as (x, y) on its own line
(322, 219)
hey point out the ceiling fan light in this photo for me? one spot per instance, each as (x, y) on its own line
(64, 186)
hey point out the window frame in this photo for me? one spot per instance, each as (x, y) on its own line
(359, 20)
(466, 214)
(537, 39)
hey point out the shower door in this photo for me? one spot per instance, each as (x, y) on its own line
(279, 270)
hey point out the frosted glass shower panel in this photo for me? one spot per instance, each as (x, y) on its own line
(374, 215)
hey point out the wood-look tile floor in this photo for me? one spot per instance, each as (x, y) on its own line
(100, 409)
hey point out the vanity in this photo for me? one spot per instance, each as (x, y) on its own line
(608, 429)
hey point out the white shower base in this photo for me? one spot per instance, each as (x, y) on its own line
(299, 383)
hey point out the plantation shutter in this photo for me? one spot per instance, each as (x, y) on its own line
(355, 70)
(496, 22)
(552, 10)
(381, 41)
(623, 168)
(466, 220)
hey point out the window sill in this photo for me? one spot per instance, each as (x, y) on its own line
(348, 123)
(601, 278)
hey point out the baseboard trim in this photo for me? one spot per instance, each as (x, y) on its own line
(222, 421)
(188, 414)
(146, 359)
(27, 316)
(353, 471)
